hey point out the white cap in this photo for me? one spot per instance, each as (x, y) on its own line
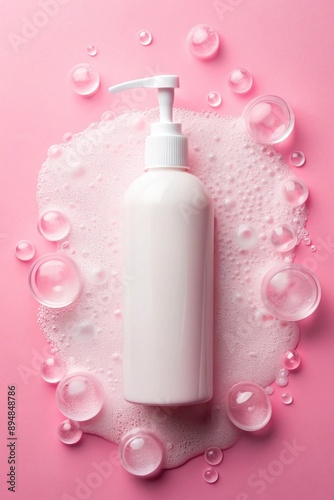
(166, 146)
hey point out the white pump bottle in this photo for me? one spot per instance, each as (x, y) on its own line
(168, 269)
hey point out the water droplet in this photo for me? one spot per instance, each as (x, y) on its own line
(213, 455)
(269, 219)
(55, 151)
(24, 250)
(53, 225)
(248, 406)
(269, 390)
(80, 396)
(69, 432)
(290, 292)
(283, 237)
(85, 80)
(297, 159)
(141, 452)
(145, 37)
(282, 381)
(84, 332)
(287, 398)
(240, 80)
(307, 241)
(210, 475)
(291, 360)
(99, 275)
(55, 280)
(214, 99)
(117, 357)
(247, 237)
(295, 192)
(52, 370)
(269, 119)
(203, 41)
(118, 313)
(91, 49)
(313, 248)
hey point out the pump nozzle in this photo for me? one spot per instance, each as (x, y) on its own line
(165, 85)
(166, 146)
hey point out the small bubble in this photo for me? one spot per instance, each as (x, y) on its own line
(291, 360)
(286, 398)
(116, 356)
(269, 219)
(69, 432)
(240, 80)
(229, 202)
(141, 452)
(99, 275)
(118, 313)
(203, 41)
(68, 136)
(283, 237)
(80, 396)
(313, 248)
(53, 225)
(282, 381)
(145, 37)
(247, 237)
(213, 456)
(24, 250)
(297, 159)
(139, 124)
(269, 390)
(295, 192)
(248, 406)
(210, 475)
(214, 99)
(55, 151)
(91, 50)
(52, 370)
(85, 80)
(307, 241)
(108, 116)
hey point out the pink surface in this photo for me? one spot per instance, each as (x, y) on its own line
(288, 47)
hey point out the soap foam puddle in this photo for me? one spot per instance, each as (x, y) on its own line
(87, 182)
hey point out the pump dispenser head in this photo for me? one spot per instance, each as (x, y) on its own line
(166, 146)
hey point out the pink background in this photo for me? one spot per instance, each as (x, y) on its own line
(288, 47)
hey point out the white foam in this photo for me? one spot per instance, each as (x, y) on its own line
(88, 183)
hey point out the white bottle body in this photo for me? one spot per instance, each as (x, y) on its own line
(168, 289)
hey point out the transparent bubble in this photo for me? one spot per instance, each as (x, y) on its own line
(247, 237)
(203, 41)
(68, 136)
(145, 37)
(53, 225)
(297, 159)
(55, 280)
(91, 50)
(283, 237)
(229, 202)
(291, 360)
(214, 99)
(99, 275)
(108, 116)
(80, 396)
(269, 119)
(248, 406)
(84, 78)
(210, 475)
(282, 381)
(287, 399)
(213, 456)
(290, 292)
(269, 390)
(55, 151)
(295, 192)
(313, 248)
(52, 370)
(84, 332)
(141, 452)
(24, 250)
(240, 80)
(69, 432)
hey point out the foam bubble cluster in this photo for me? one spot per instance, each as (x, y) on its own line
(87, 182)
